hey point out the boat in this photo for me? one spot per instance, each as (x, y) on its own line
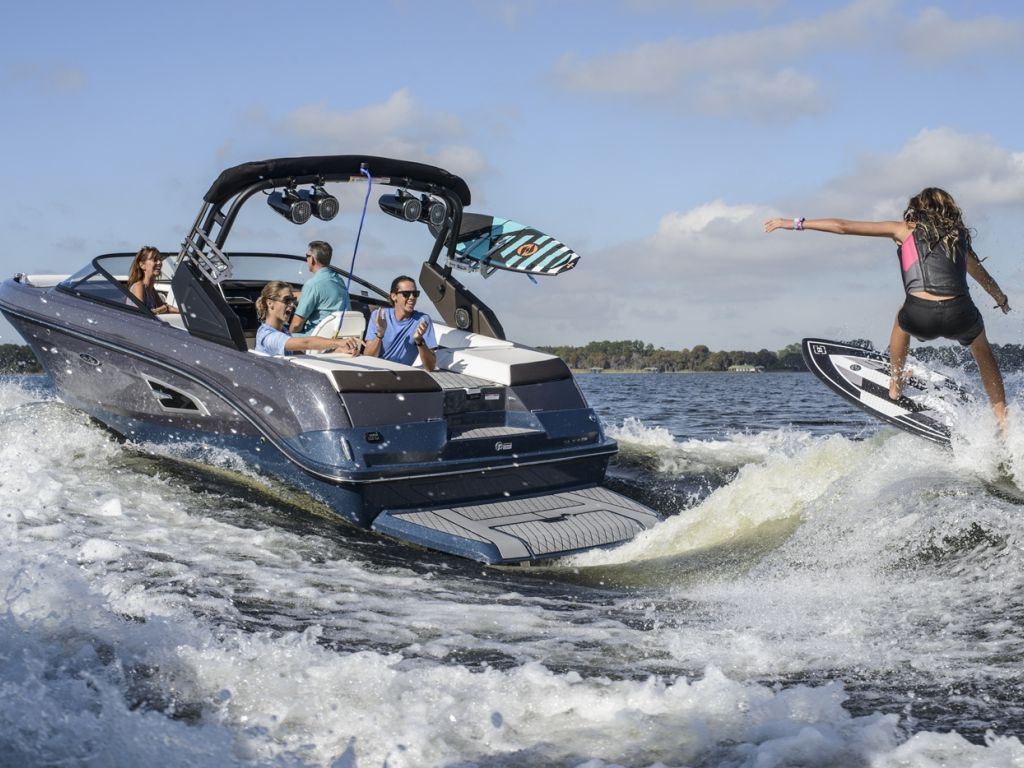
(495, 456)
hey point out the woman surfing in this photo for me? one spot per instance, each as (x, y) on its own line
(936, 255)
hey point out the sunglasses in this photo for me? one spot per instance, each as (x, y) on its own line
(286, 300)
(407, 294)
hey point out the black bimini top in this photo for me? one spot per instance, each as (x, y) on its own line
(329, 168)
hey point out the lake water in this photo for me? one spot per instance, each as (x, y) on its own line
(825, 591)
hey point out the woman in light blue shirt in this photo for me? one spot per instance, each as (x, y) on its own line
(274, 307)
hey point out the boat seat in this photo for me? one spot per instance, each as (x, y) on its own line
(353, 324)
(495, 360)
(173, 319)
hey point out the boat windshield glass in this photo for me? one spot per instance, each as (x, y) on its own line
(264, 267)
(106, 279)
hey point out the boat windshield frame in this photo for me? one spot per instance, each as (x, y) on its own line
(98, 281)
(105, 281)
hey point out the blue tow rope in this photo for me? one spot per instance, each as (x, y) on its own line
(352, 267)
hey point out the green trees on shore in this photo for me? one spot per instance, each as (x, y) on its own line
(619, 355)
(636, 355)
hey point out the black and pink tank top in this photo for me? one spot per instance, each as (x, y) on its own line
(933, 268)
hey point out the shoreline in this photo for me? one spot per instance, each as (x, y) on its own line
(587, 371)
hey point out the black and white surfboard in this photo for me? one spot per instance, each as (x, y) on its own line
(861, 376)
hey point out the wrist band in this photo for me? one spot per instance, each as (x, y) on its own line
(798, 224)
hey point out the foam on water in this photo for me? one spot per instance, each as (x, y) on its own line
(656, 448)
(774, 487)
(146, 622)
(84, 687)
(895, 563)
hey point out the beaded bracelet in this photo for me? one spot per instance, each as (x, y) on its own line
(798, 224)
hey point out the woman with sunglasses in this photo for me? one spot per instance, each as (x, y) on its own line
(399, 333)
(274, 308)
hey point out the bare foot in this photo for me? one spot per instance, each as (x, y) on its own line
(1000, 409)
(895, 388)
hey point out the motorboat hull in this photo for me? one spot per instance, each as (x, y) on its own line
(391, 462)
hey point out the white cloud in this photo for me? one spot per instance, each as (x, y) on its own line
(675, 227)
(783, 93)
(57, 78)
(766, 72)
(749, 72)
(704, 6)
(933, 36)
(507, 12)
(66, 79)
(395, 127)
(976, 170)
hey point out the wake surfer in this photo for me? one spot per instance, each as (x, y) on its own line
(935, 253)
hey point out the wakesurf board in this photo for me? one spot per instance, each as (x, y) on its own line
(861, 376)
(493, 243)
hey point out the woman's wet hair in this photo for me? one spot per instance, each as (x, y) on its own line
(270, 291)
(936, 212)
(135, 271)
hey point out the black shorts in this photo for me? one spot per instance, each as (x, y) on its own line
(955, 318)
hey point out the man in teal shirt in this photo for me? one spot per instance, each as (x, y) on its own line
(322, 294)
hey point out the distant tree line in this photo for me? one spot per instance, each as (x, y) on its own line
(624, 355)
(18, 358)
(636, 355)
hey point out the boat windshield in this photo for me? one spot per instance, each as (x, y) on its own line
(106, 279)
(264, 267)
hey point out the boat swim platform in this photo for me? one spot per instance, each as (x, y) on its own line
(538, 527)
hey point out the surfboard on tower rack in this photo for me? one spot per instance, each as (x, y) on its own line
(861, 376)
(488, 243)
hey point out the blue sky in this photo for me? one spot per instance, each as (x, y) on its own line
(653, 136)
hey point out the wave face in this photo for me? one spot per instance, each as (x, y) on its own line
(824, 591)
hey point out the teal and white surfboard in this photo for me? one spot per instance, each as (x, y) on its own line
(504, 244)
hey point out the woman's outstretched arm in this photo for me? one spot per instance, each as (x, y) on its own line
(897, 230)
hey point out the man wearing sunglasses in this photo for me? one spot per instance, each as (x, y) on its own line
(399, 333)
(322, 294)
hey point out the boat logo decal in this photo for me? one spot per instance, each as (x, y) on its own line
(87, 358)
(500, 446)
(527, 249)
